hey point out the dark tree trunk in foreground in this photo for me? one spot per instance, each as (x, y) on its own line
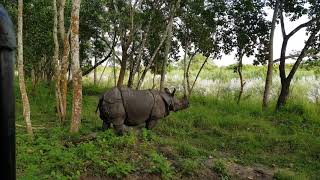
(242, 83)
(286, 80)
(283, 94)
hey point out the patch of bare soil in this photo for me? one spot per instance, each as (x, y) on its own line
(252, 173)
(204, 174)
(135, 176)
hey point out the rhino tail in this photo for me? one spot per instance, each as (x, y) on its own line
(99, 103)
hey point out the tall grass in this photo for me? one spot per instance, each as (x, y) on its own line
(214, 126)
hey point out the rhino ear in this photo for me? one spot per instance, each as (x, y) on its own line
(174, 91)
(167, 99)
(167, 90)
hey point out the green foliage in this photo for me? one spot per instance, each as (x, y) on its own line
(220, 168)
(119, 169)
(179, 145)
(160, 164)
(189, 166)
(284, 174)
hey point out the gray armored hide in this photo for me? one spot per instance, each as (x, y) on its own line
(125, 106)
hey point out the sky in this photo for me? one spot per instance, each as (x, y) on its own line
(295, 43)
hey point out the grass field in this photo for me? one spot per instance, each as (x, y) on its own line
(214, 138)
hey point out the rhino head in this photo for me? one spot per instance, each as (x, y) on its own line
(174, 103)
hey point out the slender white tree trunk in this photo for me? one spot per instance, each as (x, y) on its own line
(64, 60)
(268, 84)
(166, 55)
(76, 71)
(24, 96)
(59, 104)
(185, 70)
(168, 46)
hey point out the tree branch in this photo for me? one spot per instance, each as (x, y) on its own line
(102, 61)
(302, 26)
(303, 52)
(283, 30)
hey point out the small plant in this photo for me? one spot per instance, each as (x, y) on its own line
(189, 166)
(146, 135)
(284, 174)
(159, 164)
(220, 168)
(120, 169)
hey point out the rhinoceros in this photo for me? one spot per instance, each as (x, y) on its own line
(124, 106)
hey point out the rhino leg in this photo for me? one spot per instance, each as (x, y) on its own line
(105, 125)
(119, 129)
(151, 123)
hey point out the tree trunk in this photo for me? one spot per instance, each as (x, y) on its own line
(136, 67)
(123, 67)
(76, 71)
(168, 45)
(59, 104)
(195, 80)
(242, 83)
(131, 75)
(63, 74)
(188, 71)
(268, 84)
(114, 70)
(24, 96)
(285, 81)
(283, 95)
(166, 54)
(95, 71)
(185, 70)
(154, 80)
(141, 79)
(64, 61)
(131, 67)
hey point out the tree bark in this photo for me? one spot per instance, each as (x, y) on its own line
(131, 75)
(114, 71)
(24, 95)
(166, 54)
(283, 95)
(123, 67)
(125, 44)
(105, 58)
(146, 69)
(59, 104)
(268, 83)
(64, 61)
(188, 71)
(136, 67)
(195, 80)
(285, 81)
(242, 83)
(95, 71)
(63, 74)
(76, 71)
(185, 70)
(168, 46)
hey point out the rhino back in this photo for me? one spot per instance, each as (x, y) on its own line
(112, 106)
(138, 105)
